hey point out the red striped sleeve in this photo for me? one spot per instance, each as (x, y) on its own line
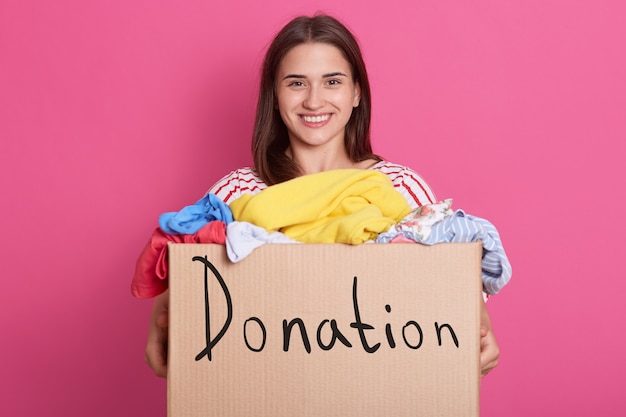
(408, 182)
(233, 185)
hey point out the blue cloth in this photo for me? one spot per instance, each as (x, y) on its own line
(192, 218)
(461, 227)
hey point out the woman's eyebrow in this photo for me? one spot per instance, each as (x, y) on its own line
(329, 75)
(334, 74)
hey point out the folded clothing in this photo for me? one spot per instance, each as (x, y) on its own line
(151, 270)
(191, 218)
(342, 206)
(461, 227)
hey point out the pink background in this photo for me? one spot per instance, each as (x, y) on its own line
(112, 112)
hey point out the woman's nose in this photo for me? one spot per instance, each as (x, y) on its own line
(314, 98)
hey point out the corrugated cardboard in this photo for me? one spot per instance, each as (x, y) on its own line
(391, 330)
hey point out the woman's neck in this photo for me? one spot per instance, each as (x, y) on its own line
(315, 161)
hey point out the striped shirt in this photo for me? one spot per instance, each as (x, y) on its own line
(412, 187)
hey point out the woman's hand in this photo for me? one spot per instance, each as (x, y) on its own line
(156, 347)
(489, 350)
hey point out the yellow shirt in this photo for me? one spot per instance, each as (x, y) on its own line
(343, 206)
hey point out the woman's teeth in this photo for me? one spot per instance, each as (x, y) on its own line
(316, 119)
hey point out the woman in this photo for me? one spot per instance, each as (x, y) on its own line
(313, 115)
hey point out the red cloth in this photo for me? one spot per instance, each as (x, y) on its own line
(150, 277)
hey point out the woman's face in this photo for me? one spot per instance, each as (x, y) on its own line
(316, 95)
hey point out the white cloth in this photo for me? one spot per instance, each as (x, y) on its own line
(242, 238)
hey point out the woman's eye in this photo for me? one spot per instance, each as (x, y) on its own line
(296, 84)
(334, 82)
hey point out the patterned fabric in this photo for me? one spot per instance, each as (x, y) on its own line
(419, 222)
(461, 227)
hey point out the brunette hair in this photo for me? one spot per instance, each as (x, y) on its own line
(270, 138)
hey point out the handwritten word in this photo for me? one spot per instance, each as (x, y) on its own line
(412, 332)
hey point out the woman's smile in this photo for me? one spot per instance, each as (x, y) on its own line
(316, 120)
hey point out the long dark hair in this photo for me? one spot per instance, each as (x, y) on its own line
(270, 138)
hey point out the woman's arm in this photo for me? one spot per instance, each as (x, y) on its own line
(156, 347)
(489, 350)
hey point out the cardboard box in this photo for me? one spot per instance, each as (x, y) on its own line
(325, 330)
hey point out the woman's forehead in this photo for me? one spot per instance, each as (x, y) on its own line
(313, 59)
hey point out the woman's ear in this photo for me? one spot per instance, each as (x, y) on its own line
(357, 95)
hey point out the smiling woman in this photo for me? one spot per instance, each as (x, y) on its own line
(316, 94)
(306, 51)
(313, 115)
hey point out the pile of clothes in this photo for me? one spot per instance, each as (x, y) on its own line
(340, 206)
